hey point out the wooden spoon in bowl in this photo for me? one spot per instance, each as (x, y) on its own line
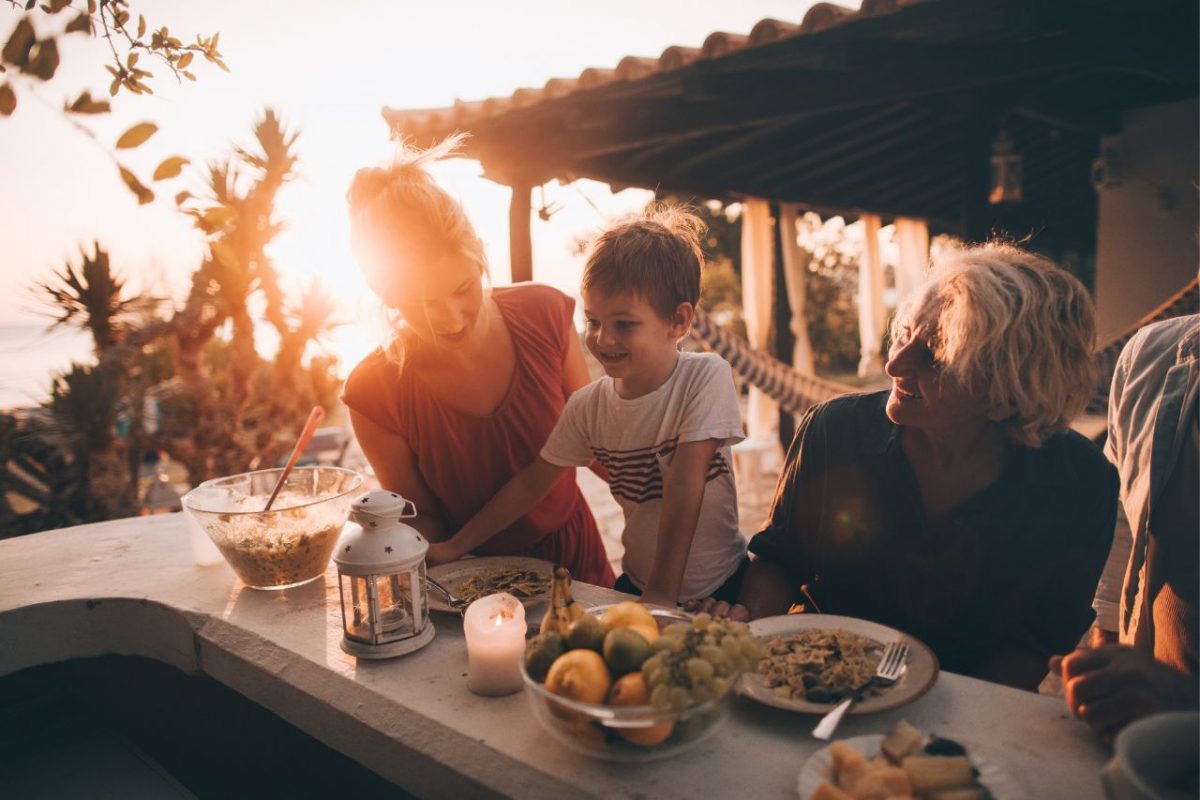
(314, 419)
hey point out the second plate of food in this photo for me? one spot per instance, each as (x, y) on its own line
(812, 661)
(527, 579)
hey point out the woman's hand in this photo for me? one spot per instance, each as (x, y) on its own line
(1110, 686)
(443, 553)
(719, 609)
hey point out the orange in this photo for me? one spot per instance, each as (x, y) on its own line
(631, 690)
(579, 675)
(630, 612)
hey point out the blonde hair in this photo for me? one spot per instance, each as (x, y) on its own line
(655, 256)
(1012, 328)
(401, 220)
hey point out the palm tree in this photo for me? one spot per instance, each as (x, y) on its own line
(223, 408)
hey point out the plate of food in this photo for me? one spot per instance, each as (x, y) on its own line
(904, 763)
(527, 579)
(811, 662)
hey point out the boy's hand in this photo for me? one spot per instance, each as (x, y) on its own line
(719, 609)
(652, 598)
(442, 553)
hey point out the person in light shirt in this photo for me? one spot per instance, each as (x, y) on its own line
(957, 506)
(1145, 659)
(660, 421)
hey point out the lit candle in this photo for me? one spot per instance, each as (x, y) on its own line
(495, 631)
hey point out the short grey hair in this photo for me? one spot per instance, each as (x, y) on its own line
(1012, 328)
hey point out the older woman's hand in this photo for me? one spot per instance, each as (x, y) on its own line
(719, 609)
(1108, 687)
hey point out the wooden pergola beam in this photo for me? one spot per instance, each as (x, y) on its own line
(520, 238)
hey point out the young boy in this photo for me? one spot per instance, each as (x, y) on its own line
(660, 422)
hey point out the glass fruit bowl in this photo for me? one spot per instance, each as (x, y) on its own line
(626, 732)
(289, 545)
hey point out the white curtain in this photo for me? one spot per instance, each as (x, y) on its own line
(870, 301)
(795, 268)
(912, 241)
(758, 270)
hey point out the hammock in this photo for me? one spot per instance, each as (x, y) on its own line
(796, 392)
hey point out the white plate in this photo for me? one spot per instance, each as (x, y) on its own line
(453, 574)
(820, 764)
(918, 677)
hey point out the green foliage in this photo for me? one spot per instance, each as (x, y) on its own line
(92, 297)
(84, 403)
(221, 408)
(29, 58)
(40, 486)
(831, 281)
(831, 292)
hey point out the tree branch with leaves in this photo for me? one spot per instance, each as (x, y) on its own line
(29, 58)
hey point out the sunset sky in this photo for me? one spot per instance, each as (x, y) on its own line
(329, 69)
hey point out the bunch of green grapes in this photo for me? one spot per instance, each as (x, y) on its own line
(698, 661)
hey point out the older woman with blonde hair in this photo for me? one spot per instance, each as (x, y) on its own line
(956, 506)
(471, 380)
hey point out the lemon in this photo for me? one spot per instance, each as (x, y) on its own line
(579, 675)
(630, 612)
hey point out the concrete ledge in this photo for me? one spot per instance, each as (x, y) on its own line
(408, 749)
(129, 587)
(66, 629)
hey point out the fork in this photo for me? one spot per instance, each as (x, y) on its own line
(891, 667)
(456, 603)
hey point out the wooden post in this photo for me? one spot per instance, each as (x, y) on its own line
(520, 242)
(781, 319)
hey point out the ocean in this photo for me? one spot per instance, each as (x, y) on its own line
(31, 354)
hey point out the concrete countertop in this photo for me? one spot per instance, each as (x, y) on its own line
(129, 587)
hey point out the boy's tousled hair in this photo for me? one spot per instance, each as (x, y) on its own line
(655, 256)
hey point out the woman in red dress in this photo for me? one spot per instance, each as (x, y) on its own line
(472, 380)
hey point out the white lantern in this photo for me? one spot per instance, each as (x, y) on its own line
(381, 579)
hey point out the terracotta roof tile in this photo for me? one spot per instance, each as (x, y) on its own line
(675, 57)
(766, 31)
(634, 67)
(722, 44)
(719, 44)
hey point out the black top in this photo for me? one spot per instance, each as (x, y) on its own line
(1012, 569)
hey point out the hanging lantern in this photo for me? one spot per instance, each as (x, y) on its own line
(381, 579)
(1006, 171)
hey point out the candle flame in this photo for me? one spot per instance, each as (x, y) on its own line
(499, 619)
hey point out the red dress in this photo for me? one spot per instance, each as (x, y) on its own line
(466, 459)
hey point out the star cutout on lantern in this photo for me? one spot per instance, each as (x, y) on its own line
(371, 523)
(347, 548)
(387, 549)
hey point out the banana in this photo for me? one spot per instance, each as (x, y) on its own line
(563, 607)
